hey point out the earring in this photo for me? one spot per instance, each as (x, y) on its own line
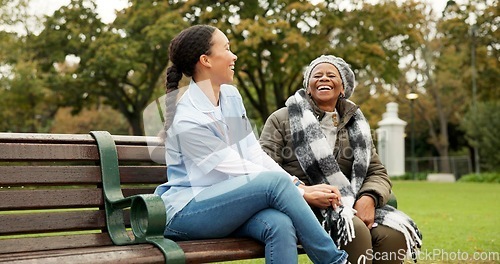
(341, 96)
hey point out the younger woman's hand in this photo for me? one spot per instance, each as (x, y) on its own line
(322, 195)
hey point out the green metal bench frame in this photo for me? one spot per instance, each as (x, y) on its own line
(393, 201)
(147, 211)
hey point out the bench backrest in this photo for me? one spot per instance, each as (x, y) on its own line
(51, 188)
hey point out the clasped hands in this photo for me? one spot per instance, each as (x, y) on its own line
(323, 196)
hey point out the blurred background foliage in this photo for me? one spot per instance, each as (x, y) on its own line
(69, 72)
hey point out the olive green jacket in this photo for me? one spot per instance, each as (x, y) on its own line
(276, 140)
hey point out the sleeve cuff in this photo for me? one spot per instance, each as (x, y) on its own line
(373, 196)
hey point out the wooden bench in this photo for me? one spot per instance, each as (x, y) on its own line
(74, 198)
(55, 206)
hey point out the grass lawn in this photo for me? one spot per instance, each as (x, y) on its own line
(454, 217)
(457, 220)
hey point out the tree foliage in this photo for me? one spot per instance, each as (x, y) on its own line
(273, 40)
(395, 47)
(27, 103)
(120, 64)
(481, 128)
(101, 117)
(374, 38)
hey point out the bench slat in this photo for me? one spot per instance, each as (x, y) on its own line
(16, 245)
(144, 253)
(46, 138)
(58, 198)
(52, 222)
(75, 139)
(53, 198)
(69, 152)
(55, 152)
(224, 249)
(143, 174)
(69, 175)
(139, 153)
(49, 175)
(197, 251)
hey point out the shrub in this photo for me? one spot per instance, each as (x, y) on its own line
(492, 177)
(419, 176)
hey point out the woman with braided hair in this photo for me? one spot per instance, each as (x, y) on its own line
(220, 182)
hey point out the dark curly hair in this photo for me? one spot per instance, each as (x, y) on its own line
(184, 52)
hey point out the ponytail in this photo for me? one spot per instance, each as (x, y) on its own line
(174, 75)
(172, 85)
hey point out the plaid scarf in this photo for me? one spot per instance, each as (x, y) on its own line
(317, 160)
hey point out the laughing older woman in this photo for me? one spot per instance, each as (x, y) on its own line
(324, 139)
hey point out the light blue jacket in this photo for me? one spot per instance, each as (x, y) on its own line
(202, 136)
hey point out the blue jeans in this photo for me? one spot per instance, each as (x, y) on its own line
(266, 207)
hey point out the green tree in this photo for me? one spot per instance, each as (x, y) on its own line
(126, 64)
(27, 104)
(394, 48)
(488, 52)
(276, 39)
(374, 39)
(481, 128)
(101, 117)
(120, 64)
(450, 71)
(439, 70)
(273, 40)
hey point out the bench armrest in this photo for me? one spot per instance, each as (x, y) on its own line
(393, 201)
(147, 211)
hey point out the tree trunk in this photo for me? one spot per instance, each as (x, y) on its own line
(438, 138)
(135, 121)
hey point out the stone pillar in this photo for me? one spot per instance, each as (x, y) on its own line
(391, 141)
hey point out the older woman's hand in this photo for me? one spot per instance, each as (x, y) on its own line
(365, 207)
(322, 196)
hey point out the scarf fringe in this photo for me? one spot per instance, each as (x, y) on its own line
(342, 229)
(401, 222)
(339, 225)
